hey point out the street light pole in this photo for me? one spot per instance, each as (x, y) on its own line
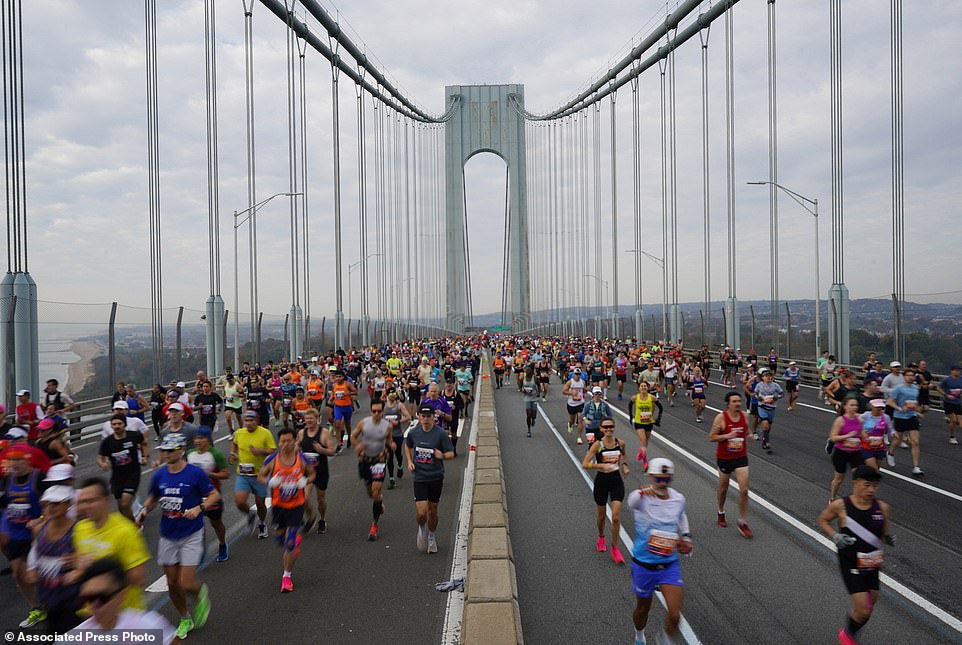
(252, 212)
(803, 201)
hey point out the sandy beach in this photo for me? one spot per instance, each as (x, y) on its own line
(80, 371)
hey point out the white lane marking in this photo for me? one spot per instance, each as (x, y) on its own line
(893, 584)
(454, 609)
(686, 631)
(934, 489)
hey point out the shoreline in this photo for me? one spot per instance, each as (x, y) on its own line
(81, 370)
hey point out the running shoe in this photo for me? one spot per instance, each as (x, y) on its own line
(791, 407)
(616, 555)
(321, 527)
(845, 639)
(890, 460)
(579, 441)
(287, 584)
(391, 484)
(184, 627)
(744, 531)
(372, 534)
(202, 610)
(917, 471)
(953, 441)
(904, 445)
(697, 419)
(422, 540)
(602, 545)
(223, 553)
(308, 526)
(722, 522)
(37, 615)
(570, 428)
(432, 543)
(754, 436)
(619, 396)
(262, 533)
(766, 446)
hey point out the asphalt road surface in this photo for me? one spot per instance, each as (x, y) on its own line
(347, 590)
(781, 587)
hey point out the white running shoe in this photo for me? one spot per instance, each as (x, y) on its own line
(953, 441)
(904, 445)
(422, 541)
(432, 543)
(890, 460)
(917, 471)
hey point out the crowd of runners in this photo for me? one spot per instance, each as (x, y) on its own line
(78, 554)
(875, 415)
(76, 546)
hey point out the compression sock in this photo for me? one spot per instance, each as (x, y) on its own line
(852, 627)
(378, 509)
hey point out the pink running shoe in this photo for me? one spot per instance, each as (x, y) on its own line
(602, 546)
(287, 585)
(616, 555)
(844, 638)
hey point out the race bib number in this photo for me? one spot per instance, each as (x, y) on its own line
(735, 444)
(207, 409)
(852, 442)
(955, 392)
(876, 442)
(377, 471)
(246, 469)
(286, 402)
(911, 405)
(527, 390)
(698, 389)
(590, 436)
(312, 458)
(662, 543)
(288, 490)
(171, 506)
(577, 396)
(340, 396)
(610, 456)
(870, 560)
(121, 458)
(18, 512)
(254, 404)
(423, 455)
(646, 417)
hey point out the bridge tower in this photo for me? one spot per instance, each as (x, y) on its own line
(484, 119)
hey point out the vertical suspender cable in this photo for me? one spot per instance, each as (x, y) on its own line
(153, 186)
(13, 222)
(663, 66)
(596, 152)
(251, 166)
(409, 230)
(676, 324)
(836, 98)
(898, 177)
(730, 158)
(213, 180)
(553, 175)
(636, 191)
(336, 148)
(305, 219)
(378, 226)
(585, 290)
(706, 234)
(362, 202)
(773, 168)
(292, 145)
(614, 217)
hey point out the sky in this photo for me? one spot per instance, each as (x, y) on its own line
(86, 142)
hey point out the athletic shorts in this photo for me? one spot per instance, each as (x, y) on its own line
(429, 491)
(187, 551)
(753, 408)
(608, 486)
(371, 470)
(647, 427)
(597, 378)
(826, 383)
(124, 485)
(343, 413)
(952, 408)
(766, 414)
(621, 378)
(17, 549)
(924, 396)
(215, 514)
(287, 518)
(250, 484)
(531, 405)
(791, 386)
(859, 580)
(229, 408)
(842, 460)
(575, 409)
(669, 380)
(905, 425)
(728, 466)
(877, 455)
(644, 580)
(698, 396)
(414, 396)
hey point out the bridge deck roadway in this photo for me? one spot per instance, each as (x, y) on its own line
(781, 587)
(347, 590)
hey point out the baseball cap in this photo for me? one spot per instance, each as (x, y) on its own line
(181, 384)
(176, 406)
(120, 405)
(596, 390)
(877, 403)
(22, 392)
(204, 431)
(59, 473)
(250, 414)
(56, 494)
(764, 370)
(16, 433)
(173, 393)
(425, 409)
(895, 364)
(173, 441)
(661, 466)
(792, 363)
(867, 473)
(955, 367)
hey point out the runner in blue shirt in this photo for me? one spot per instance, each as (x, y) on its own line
(791, 375)
(904, 401)
(951, 390)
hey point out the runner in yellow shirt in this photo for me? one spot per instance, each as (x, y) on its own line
(252, 445)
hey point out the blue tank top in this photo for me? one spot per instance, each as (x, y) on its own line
(23, 505)
(133, 408)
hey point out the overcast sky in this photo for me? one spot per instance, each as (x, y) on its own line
(86, 140)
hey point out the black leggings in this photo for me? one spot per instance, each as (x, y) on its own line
(396, 455)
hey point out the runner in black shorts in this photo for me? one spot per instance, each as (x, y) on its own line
(863, 523)
(316, 444)
(427, 447)
(607, 456)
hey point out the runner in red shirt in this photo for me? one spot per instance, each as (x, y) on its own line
(28, 414)
(729, 431)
